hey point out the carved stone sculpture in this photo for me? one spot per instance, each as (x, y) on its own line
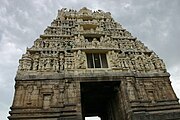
(86, 64)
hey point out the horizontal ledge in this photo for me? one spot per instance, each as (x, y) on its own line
(91, 74)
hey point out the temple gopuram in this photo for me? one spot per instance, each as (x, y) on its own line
(85, 64)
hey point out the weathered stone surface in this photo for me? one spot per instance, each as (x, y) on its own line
(86, 64)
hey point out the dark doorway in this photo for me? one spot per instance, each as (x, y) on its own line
(100, 99)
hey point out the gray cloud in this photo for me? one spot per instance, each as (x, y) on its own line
(154, 22)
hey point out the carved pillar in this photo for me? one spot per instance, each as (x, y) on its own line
(131, 89)
(19, 95)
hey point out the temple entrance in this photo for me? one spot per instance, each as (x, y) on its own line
(100, 99)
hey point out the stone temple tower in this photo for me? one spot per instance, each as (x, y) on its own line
(86, 64)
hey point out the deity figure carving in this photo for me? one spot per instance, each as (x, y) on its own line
(127, 34)
(79, 41)
(20, 67)
(131, 89)
(139, 45)
(35, 64)
(139, 63)
(48, 64)
(130, 64)
(124, 64)
(95, 43)
(69, 63)
(46, 101)
(115, 44)
(141, 90)
(114, 59)
(162, 90)
(80, 60)
(107, 41)
(37, 43)
(20, 95)
(162, 65)
(56, 65)
(61, 95)
(61, 61)
(29, 91)
(41, 64)
(26, 62)
(27, 65)
(99, 29)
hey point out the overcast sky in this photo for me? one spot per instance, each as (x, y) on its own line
(155, 22)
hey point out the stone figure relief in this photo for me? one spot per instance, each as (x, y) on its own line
(80, 59)
(65, 91)
(139, 63)
(141, 90)
(67, 33)
(131, 89)
(46, 101)
(43, 63)
(61, 94)
(61, 52)
(69, 63)
(50, 97)
(25, 64)
(20, 67)
(114, 59)
(95, 43)
(79, 41)
(61, 61)
(55, 95)
(71, 90)
(20, 95)
(47, 64)
(162, 90)
(35, 65)
(147, 91)
(37, 43)
(56, 65)
(29, 90)
(150, 90)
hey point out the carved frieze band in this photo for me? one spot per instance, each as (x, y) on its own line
(64, 44)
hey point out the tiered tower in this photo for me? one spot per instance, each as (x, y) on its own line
(86, 64)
